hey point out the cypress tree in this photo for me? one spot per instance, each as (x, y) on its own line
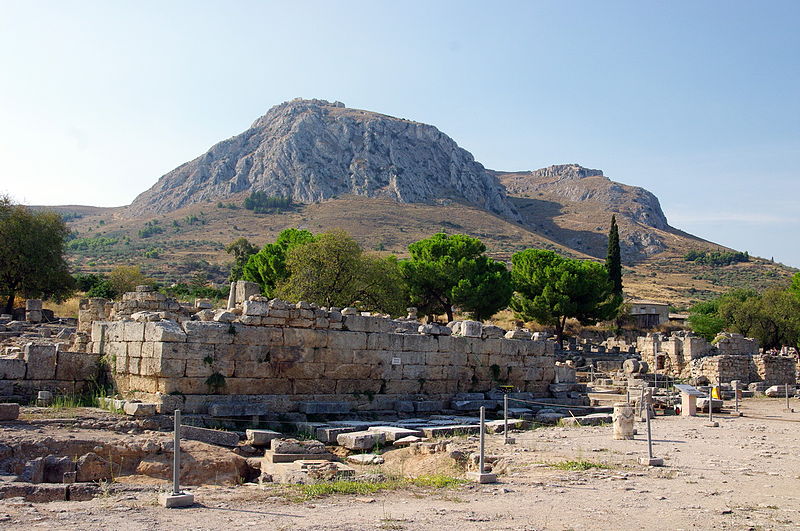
(613, 257)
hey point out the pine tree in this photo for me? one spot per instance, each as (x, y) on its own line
(613, 258)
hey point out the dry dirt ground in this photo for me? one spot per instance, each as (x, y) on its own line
(744, 474)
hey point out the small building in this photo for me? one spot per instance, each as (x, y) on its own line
(649, 314)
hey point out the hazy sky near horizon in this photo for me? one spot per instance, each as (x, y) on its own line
(697, 101)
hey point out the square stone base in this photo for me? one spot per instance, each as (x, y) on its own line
(170, 500)
(510, 440)
(647, 461)
(482, 477)
(713, 424)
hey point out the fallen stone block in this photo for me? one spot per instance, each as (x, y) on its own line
(360, 440)
(393, 433)
(550, 416)
(139, 409)
(365, 459)
(595, 419)
(473, 405)
(261, 438)
(9, 411)
(450, 431)
(328, 434)
(407, 441)
(217, 437)
(777, 391)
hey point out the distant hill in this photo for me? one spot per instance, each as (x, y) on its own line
(389, 182)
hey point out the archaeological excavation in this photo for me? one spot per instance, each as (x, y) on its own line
(274, 395)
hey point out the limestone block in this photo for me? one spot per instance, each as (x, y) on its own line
(132, 331)
(293, 446)
(420, 343)
(224, 316)
(169, 368)
(205, 315)
(176, 351)
(403, 387)
(471, 328)
(335, 355)
(324, 408)
(251, 320)
(258, 386)
(98, 333)
(253, 369)
(9, 411)
(255, 308)
(358, 387)
(392, 433)
(257, 335)
(355, 371)
(245, 289)
(300, 322)
(361, 440)
(301, 337)
(12, 369)
(390, 341)
(415, 372)
(302, 370)
(92, 467)
(165, 332)
(76, 366)
(261, 438)
(217, 437)
(209, 332)
(41, 361)
(313, 387)
(139, 409)
(239, 409)
(341, 340)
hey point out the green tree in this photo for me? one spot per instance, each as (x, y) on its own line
(705, 319)
(332, 270)
(124, 279)
(447, 271)
(794, 288)
(550, 289)
(614, 257)
(32, 260)
(242, 250)
(267, 267)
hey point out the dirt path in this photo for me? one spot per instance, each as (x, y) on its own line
(745, 474)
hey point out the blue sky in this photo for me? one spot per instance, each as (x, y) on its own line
(697, 101)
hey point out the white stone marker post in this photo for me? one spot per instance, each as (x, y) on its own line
(710, 402)
(480, 476)
(788, 409)
(176, 498)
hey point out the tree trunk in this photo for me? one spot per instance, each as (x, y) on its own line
(10, 303)
(560, 331)
(449, 310)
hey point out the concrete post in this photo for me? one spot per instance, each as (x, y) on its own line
(176, 498)
(650, 460)
(505, 419)
(232, 297)
(480, 476)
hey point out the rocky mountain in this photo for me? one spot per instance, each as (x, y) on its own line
(314, 150)
(572, 182)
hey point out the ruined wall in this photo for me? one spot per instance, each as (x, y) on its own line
(44, 367)
(776, 370)
(282, 355)
(724, 368)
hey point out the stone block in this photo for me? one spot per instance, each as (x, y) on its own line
(450, 431)
(12, 369)
(328, 434)
(41, 361)
(361, 440)
(224, 316)
(238, 409)
(209, 332)
(420, 343)
(256, 308)
(139, 409)
(9, 411)
(55, 467)
(324, 408)
(244, 290)
(471, 329)
(132, 331)
(392, 433)
(217, 437)
(172, 500)
(304, 337)
(261, 438)
(76, 366)
(342, 340)
(293, 446)
(98, 333)
(164, 331)
(473, 405)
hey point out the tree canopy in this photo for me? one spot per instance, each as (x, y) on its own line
(614, 257)
(267, 267)
(332, 270)
(32, 260)
(242, 250)
(772, 317)
(550, 289)
(446, 271)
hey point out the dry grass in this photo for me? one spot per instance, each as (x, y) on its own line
(68, 308)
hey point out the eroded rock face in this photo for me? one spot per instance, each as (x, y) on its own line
(313, 150)
(201, 464)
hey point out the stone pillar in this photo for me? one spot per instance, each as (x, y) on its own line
(688, 405)
(244, 289)
(232, 297)
(623, 421)
(33, 310)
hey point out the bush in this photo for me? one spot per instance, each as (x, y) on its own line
(150, 228)
(260, 203)
(716, 258)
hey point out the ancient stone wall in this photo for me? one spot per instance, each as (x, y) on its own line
(283, 357)
(724, 368)
(44, 367)
(776, 370)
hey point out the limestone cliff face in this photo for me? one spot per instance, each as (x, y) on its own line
(313, 150)
(572, 182)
